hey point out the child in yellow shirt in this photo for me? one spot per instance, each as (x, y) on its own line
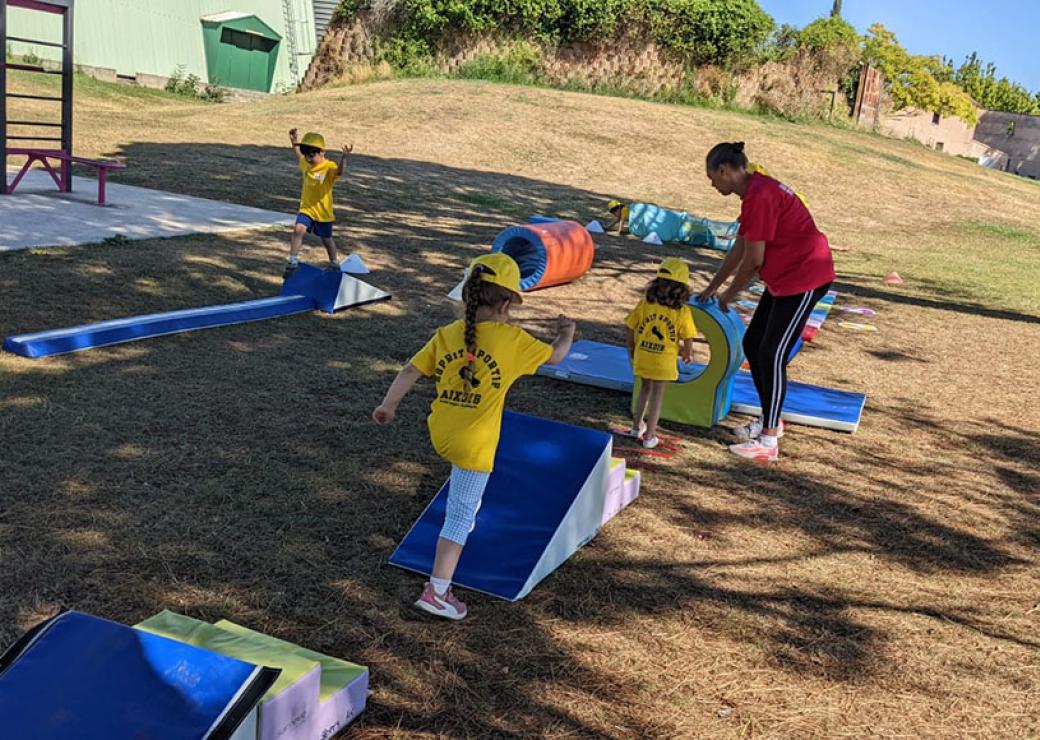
(656, 328)
(620, 212)
(474, 362)
(316, 215)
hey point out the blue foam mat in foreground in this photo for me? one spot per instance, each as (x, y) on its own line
(102, 334)
(532, 504)
(78, 676)
(607, 366)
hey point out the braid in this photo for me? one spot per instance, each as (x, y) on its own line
(473, 295)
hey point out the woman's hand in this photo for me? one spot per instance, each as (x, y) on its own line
(727, 298)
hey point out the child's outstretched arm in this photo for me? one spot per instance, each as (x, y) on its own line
(561, 346)
(347, 149)
(687, 350)
(386, 412)
(295, 142)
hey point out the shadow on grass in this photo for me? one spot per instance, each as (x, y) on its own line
(234, 473)
(858, 289)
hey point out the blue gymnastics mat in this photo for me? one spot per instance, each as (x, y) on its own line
(607, 366)
(545, 499)
(78, 676)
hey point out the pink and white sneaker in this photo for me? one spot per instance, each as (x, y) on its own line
(753, 449)
(446, 606)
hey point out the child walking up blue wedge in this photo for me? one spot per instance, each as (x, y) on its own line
(474, 362)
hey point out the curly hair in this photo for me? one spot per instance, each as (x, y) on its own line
(477, 293)
(668, 293)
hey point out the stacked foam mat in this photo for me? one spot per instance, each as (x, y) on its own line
(553, 487)
(171, 678)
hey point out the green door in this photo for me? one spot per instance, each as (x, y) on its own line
(245, 60)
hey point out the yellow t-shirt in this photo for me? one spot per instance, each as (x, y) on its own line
(465, 420)
(658, 331)
(316, 195)
(623, 216)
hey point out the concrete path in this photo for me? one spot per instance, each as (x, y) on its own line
(38, 215)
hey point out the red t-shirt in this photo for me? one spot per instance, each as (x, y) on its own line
(797, 258)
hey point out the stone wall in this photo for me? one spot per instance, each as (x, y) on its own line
(1021, 144)
(945, 133)
(797, 86)
(630, 60)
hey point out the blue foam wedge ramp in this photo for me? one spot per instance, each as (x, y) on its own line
(308, 289)
(545, 499)
(607, 366)
(78, 676)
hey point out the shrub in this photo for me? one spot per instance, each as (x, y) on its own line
(520, 64)
(829, 34)
(722, 32)
(697, 31)
(189, 87)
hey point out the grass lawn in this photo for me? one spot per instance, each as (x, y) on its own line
(885, 582)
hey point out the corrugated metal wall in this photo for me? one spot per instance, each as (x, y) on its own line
(323, 11)
(136, 37)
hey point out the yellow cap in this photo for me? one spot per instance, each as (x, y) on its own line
(501, 269)
(613, 204)
(312, 139)
(675, 269)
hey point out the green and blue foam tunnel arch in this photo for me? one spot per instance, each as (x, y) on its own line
(703, 394)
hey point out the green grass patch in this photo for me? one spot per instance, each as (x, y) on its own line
(1005, 232)
(490, 202)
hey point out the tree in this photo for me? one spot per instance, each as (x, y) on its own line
(992, 93)
(828, 33)
(836, 9)
(914, 80)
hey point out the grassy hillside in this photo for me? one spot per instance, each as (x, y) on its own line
(881, 582)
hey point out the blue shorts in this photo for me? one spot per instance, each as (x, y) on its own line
(318, 228)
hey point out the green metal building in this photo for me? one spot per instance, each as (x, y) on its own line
(263, 45)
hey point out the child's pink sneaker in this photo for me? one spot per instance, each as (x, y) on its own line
(753, 449)
(446, 606)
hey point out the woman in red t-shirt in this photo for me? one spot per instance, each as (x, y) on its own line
(779, 241)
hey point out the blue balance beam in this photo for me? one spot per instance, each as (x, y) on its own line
(308, 289)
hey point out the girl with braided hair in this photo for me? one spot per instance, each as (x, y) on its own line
(474, 362)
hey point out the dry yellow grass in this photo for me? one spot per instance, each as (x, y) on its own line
(882, 583)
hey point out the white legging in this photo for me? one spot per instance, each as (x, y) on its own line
(465, 490)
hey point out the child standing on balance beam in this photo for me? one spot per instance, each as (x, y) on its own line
(656, 327)
(474, 362)
(316, 215)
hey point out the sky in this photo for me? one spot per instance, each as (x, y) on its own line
(1005, 32)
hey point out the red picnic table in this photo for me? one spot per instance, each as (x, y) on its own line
(63, 176)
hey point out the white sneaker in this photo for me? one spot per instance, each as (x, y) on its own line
(753, 428)
(649, 444)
